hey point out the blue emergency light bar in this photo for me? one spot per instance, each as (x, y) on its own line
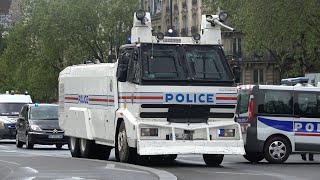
(293, 81)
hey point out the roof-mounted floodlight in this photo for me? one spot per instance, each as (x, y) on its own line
(196, 37)
(140, 15)
(160, 36)
(223, 16)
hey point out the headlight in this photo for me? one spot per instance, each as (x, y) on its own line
(226, 132)
(35, 128)
(2, 125)
(149, 132)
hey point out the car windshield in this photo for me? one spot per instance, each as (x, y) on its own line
(10, 109)
(44, 113)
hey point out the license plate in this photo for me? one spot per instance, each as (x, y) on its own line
(188, 136)
(55, 136)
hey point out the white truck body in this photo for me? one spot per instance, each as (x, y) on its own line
(92, 102)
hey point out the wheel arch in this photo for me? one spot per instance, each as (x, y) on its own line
(279, 135)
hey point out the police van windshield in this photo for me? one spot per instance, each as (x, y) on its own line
(191, 63)
(243, 101)
(10, 109)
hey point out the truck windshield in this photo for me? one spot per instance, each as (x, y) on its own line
(161, 63)
(10, 109)
(184, 63)
(206, 63)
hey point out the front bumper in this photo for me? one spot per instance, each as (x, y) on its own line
(157, 147)
(43, 138)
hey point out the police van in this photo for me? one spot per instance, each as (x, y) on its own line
(278, 120)
(10, 106)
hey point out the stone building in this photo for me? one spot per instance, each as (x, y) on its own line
(186, 20)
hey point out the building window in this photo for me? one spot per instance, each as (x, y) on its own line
(237, 50)
(258, 76)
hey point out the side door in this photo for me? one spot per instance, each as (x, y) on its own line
(307, 120)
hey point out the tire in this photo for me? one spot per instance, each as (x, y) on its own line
(213, 159)
(29, 144)
(59, 146)
(277, 150)
(254, 157)
(86, 148)
(19, 144)
(74, 148)
(126, 154)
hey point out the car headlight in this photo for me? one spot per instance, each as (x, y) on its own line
(35, 127)
(2, 125)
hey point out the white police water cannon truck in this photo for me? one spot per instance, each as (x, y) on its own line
(165, 96)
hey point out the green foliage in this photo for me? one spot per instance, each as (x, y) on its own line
(59, 33)
(289, 30)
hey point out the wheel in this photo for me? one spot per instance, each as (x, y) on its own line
(59, 146)
(254, 157)
(19, 144)
(213, 159)
(277, 150)
(86, 148)
(74, 148)
(29, 144)
(126, 154)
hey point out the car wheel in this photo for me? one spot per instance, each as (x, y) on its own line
(74, 147)
(254, 157)
(277, 150)
(213, 159)
(126, 154)
(29, 144)
(59, 146)
(19, 144)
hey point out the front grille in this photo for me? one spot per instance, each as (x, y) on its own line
(186, 113)
(52, 131)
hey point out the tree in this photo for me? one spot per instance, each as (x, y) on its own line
(54, 34)
(288, 30)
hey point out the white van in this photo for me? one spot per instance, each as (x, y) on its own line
(10, 106)
(279, 120)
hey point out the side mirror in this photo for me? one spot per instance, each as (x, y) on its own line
(237, 73)
(122, 69)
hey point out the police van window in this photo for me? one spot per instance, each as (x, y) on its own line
(133, 74)
(161, 65)
(276, 102)
(308, 105)
(206, 63)
(243, 101)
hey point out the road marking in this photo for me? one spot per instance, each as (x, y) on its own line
(30, 178)
(10, 162)
(32, 170)
(239, 173)
(112, 166)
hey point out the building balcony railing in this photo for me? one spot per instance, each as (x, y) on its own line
(244, 57)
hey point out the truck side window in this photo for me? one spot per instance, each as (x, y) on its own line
(133, 74)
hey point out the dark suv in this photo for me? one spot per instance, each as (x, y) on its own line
(38, 124)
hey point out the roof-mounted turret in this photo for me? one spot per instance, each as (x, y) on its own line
(210, 30)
